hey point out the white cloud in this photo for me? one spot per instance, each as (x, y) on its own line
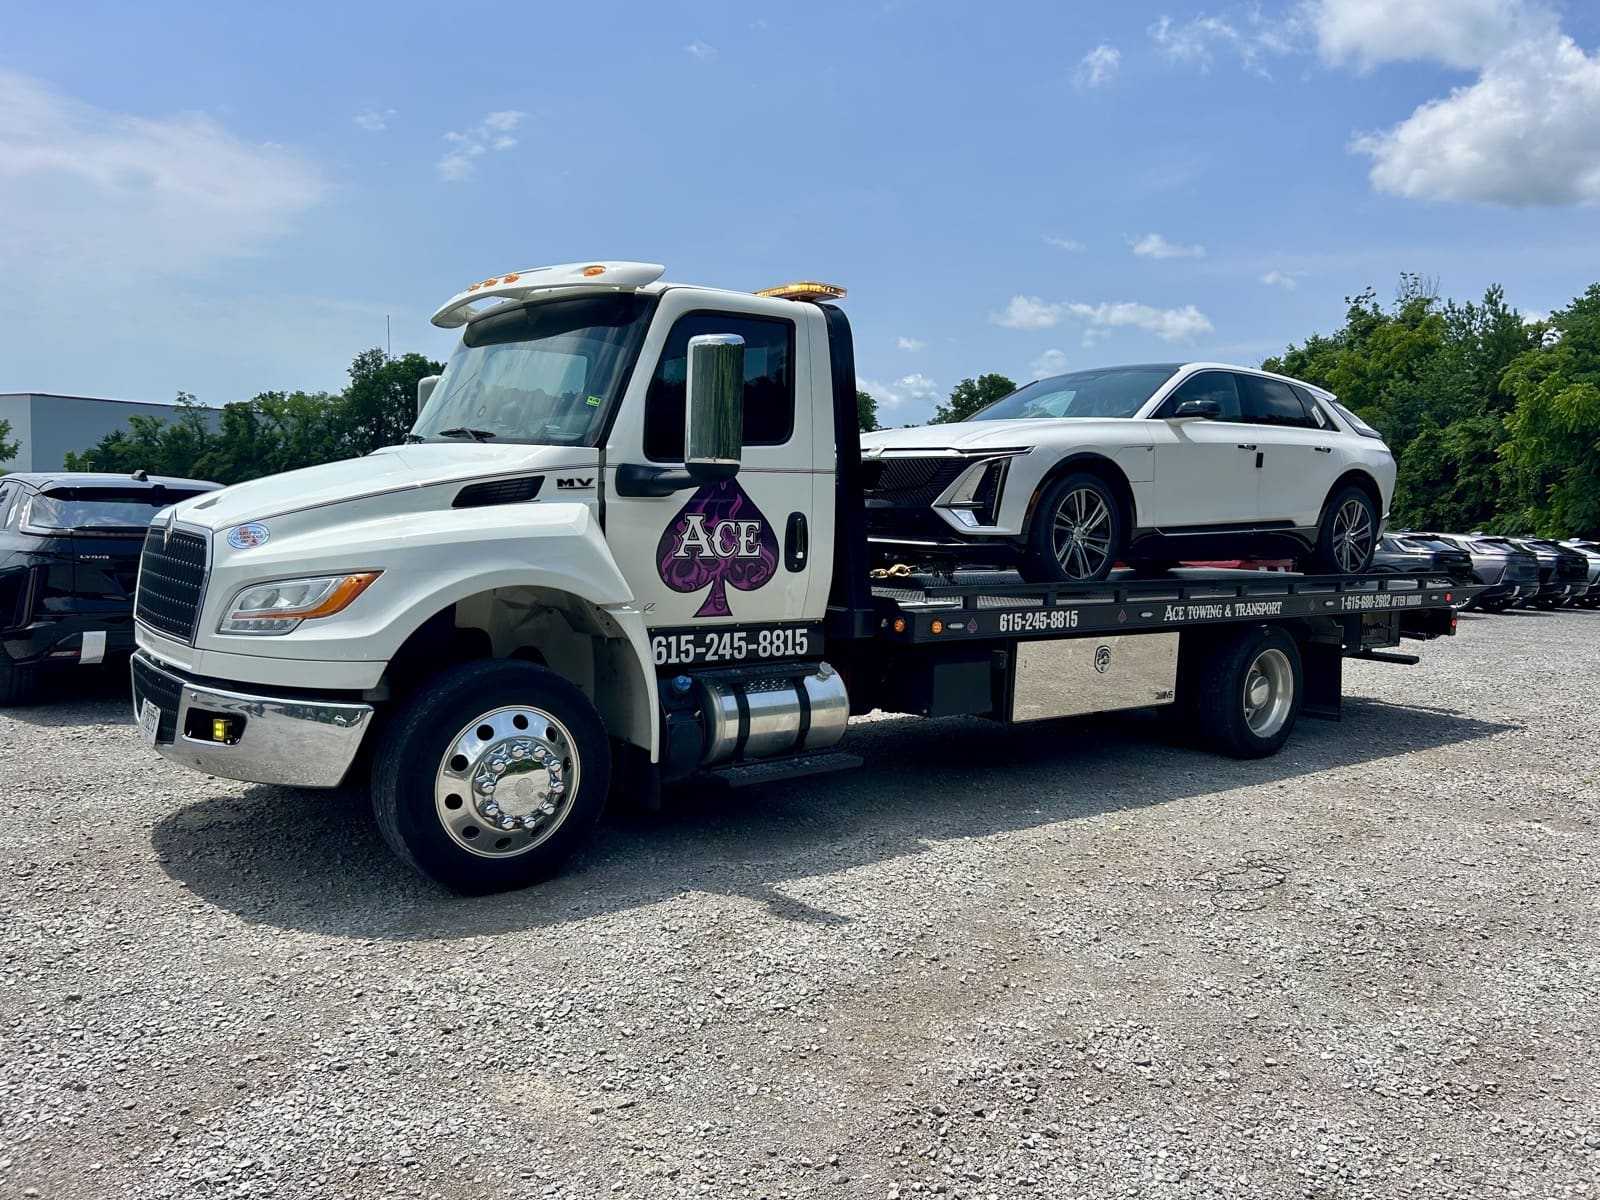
(1061, 243)
(1153, 245)
(1458, 33)
(1099, 67)
(1169, 324)
(134, 196)
(1051, 362)
(374, 120)
(701, 51)
(1288, 280)
(1028, 312)
(1527, 132)
(909, 343)
(493, 133)
(907, 389)
(1252, 39)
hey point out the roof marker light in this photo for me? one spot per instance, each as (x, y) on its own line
(591, 272)
(804, 289)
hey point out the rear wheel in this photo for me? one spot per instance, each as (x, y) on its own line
(1078, 532)
(1347, 536)
(490, 775)
(1247, 692)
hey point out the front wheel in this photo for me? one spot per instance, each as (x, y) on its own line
(1347, 536)
(18, 685)
(1078, 532)
(490, 775)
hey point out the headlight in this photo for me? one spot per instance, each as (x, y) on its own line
(280, 606)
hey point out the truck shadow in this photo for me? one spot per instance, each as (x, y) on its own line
(314, 861)
(96, 695)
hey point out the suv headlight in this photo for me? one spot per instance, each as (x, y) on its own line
(280, 606)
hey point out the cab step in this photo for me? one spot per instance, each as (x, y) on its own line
(777, 770)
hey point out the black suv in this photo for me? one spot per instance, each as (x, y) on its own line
(69, 558)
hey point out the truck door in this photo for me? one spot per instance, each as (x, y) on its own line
(722, 570)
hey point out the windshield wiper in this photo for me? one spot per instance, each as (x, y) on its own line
(411, 438)
(477, 435)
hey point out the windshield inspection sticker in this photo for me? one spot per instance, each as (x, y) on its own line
(718, 538)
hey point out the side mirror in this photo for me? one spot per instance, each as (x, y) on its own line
(425, 387)
(1206, 410)
(713, 417)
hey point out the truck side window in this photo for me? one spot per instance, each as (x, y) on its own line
(768, 382)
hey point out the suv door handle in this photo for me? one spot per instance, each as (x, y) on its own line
(1323, 449)
(1247, 445)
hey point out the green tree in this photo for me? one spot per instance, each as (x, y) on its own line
(153, 444)
(9, 449)
(1552, 456)
(866, 411)
(970, 395)
(380, 405)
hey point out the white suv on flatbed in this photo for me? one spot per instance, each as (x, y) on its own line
(1148, 464)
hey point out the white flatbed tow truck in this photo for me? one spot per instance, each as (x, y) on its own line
(626, 545)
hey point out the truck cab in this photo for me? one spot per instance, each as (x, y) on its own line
(613, 473)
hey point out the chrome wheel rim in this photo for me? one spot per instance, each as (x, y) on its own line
(506, 782)
(1352, 536)
(1268, 692)
(1080, 533)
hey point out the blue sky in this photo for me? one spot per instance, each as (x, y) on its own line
(192, 198)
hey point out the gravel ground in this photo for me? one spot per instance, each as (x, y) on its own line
(1069, 961)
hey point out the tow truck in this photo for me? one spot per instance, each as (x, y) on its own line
(625, 546)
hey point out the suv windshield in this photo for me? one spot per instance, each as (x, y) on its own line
(1109, 392)
(545, 373)
(102, 509)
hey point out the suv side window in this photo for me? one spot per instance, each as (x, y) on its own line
(768, 382)
(1319, 418)
(1207, 385)
(8, 492)
(1272, 402)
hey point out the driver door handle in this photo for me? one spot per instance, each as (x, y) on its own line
(1247, 445)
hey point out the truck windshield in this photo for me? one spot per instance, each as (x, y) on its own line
(86, 508)
(1110, 392)
(545, 373)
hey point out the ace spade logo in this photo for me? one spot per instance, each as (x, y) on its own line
(721, 539)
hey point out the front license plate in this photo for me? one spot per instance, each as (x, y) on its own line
(149, 722)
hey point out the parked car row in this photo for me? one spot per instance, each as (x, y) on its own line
(1534, 572)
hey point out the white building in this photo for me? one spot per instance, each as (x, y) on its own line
(47, 428)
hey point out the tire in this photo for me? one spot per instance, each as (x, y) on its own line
(1229, 675)
(431, 754)
(18, 685)
(1348, 508)
(1082, 504)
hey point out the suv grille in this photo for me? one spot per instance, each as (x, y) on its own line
(909, 482)
(172, 578)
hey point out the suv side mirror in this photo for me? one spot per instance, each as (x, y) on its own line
(713, 416)
(425, 387)
(1206, 410)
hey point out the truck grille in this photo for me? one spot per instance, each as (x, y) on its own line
(172, 580)
(161, 690)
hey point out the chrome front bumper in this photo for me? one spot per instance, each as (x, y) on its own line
(293, 742)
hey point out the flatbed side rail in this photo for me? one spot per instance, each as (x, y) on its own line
(960, 611)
